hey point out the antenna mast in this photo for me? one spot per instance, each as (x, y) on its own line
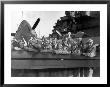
(22, 15)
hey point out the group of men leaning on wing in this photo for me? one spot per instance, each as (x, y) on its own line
(26, 39)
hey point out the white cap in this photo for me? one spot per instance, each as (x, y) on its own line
(90, 40)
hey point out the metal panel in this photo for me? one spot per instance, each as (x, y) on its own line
(42, 64)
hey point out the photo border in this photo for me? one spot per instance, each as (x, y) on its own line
(40, 2)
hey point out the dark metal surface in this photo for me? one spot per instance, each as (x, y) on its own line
(43, 64)
(30, 60)
(55, 72)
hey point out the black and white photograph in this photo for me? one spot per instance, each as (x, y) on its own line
(55, 43)
(55, 36)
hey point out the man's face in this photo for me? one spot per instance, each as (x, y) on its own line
(34, 33)
(69, 33)
(72, 13)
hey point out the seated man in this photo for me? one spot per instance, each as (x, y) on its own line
(90, 49)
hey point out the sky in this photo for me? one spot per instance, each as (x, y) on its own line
(45, 26)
